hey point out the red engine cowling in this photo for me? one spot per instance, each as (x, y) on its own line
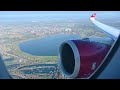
(81, 58)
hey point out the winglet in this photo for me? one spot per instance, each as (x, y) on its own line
(93, 16)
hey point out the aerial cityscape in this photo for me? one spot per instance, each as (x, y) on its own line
(13, 31)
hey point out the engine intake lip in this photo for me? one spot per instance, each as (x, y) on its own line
(76, 54)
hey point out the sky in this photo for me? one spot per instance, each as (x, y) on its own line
(46, 15)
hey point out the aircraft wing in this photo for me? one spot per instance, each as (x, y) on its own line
(46, 46)
(112, 32)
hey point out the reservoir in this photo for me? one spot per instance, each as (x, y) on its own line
(46, 46)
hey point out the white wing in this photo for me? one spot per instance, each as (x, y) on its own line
(112, 32)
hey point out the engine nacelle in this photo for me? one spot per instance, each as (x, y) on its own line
(81, 58)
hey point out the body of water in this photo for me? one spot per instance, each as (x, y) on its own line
(46, 46)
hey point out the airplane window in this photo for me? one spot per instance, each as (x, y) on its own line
(30, 41)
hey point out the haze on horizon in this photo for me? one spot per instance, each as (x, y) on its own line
(11, 16)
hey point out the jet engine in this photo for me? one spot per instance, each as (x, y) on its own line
(81, 58)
